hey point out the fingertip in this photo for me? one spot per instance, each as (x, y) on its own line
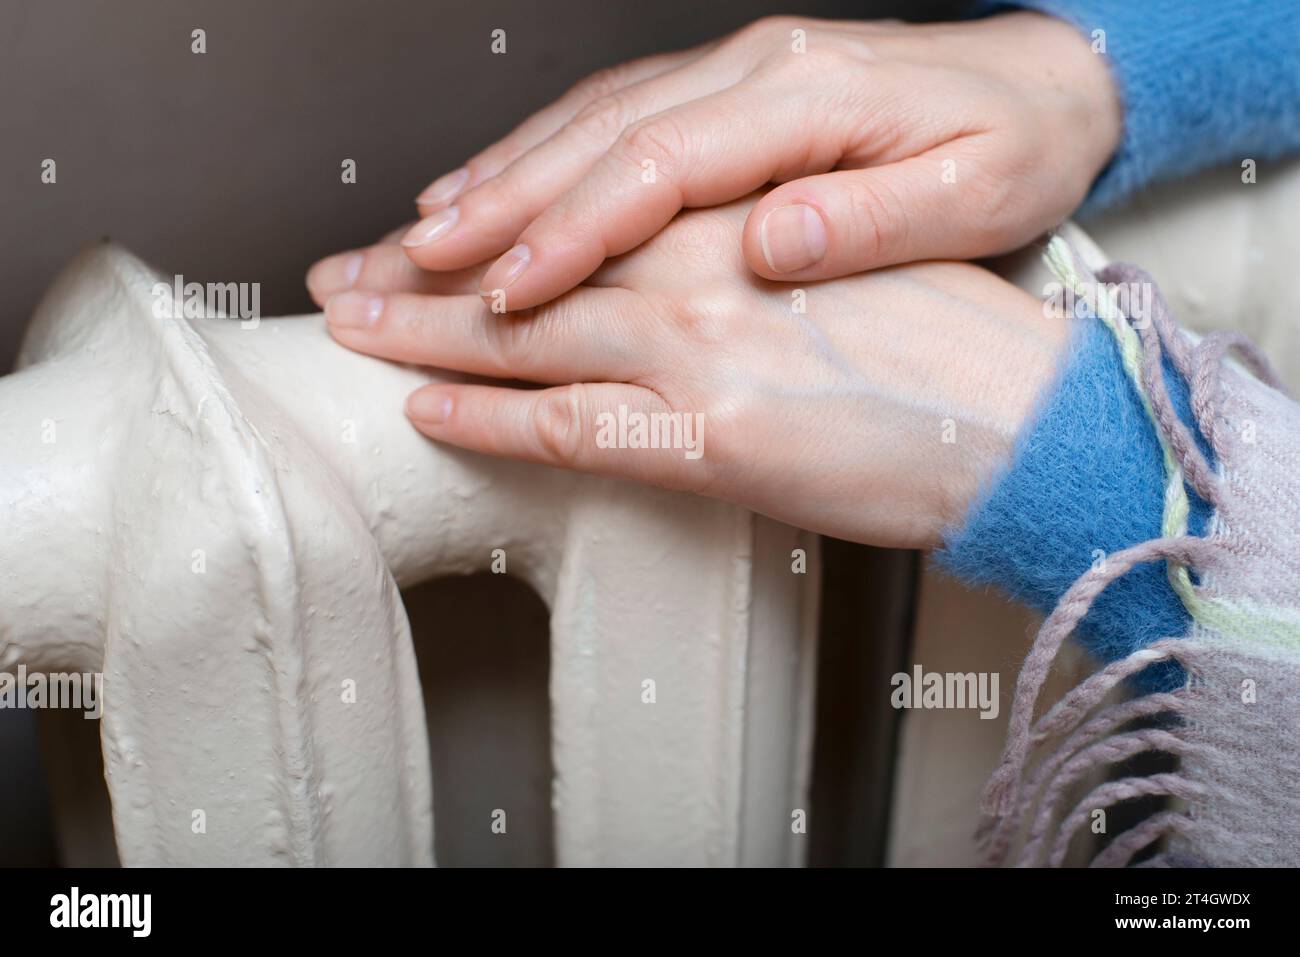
(444, 189)
(429, 407)
(539, 268)
(752, 238)
(503, 274)
(446, 241)
(354, 310)
(431, 228)
(394, 236)
(792, 238)
(751, 247)
(333, 274)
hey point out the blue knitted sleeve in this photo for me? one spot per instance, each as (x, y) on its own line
(1202, 82)
(1086, 480)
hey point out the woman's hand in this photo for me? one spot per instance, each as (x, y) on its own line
(870, 408)
(947, 140)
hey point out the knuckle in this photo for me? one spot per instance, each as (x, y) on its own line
(496, 158)
(767, 28)
(490, 198)
(660, 139)
(880, 224)
(808, 68)
(849, 61)
(997, 203)
(707, 317)
(506, 341)
(838, 58)
(600, 84)
(603, 119)
(407, 320)
(558, 416)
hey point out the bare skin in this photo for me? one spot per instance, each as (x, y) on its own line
(875, 414)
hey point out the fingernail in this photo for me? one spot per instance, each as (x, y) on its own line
(353, 310)
(506, 270)
(429, 406)
(335, 273)
(792, 237)
(432, 227)
(445, 188)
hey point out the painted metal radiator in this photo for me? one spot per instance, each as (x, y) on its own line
(218, 515)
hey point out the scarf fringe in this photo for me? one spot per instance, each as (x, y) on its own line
(1033, 799)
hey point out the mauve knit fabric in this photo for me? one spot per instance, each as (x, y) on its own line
(1243, 708)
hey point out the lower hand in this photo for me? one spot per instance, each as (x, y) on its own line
(870, 408)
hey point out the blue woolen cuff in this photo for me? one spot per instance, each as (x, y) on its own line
(1086, 480)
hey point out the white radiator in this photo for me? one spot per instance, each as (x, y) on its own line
(219, 515)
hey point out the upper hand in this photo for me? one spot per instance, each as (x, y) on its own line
(894, 143)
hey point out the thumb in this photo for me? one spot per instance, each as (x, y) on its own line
(845, 222)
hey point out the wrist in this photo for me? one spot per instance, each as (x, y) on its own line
(1066, 80)
(1005, 354)
(1087, 480)
(1073, 67)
